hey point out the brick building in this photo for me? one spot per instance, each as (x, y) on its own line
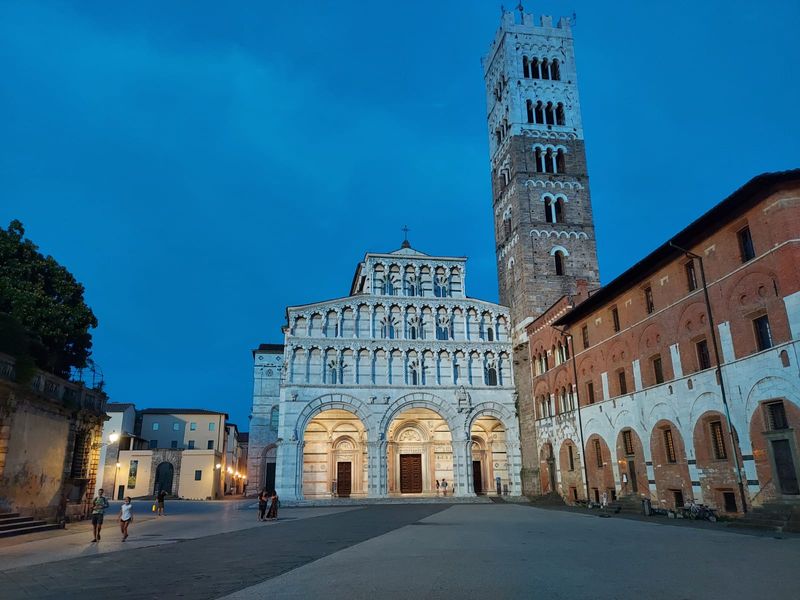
(542, 208)
(627, 391)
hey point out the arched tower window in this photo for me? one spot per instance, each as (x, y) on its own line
(534, 68)
(538, 158)
(545, 69)
(555, 70)
(529, 107)
(561, 118)
(539, 113)
(558, 258)
(549, 214)
(559, 211)
(526, 71)
(560, 162)
(549, 163)
(549, 114)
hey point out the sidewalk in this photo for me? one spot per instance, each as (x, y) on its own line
(661, 520)
(184, 521)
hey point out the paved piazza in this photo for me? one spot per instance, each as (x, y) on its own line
(219, 550)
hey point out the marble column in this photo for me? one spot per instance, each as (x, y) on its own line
(377, 471)
(462, 468)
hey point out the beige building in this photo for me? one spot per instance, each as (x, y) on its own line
(181, 451)
(50, 439)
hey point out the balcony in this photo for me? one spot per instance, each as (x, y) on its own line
(69, 394)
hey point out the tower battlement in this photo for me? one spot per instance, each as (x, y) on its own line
(511, 22)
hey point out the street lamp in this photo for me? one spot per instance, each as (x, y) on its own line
(116, 475)
(712, 327)
(113, 437)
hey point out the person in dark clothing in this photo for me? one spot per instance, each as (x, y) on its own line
(272, 513)
(162, 495)
(262, 504)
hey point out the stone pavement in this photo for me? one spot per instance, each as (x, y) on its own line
(420, 551)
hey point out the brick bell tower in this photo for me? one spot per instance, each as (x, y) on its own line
(544, 230)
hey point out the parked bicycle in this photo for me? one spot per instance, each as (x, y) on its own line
(692, 510)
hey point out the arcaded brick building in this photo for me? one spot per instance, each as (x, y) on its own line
(627, 392)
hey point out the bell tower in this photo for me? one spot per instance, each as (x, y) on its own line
(544, 231)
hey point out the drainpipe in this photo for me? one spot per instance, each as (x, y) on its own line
(578, 401)
(734, 444)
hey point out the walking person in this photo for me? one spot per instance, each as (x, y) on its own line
(99, 506)
(262, 504)
(272, 513)
(444, 486)
(160, 497)
(125, 517)
(437, 487)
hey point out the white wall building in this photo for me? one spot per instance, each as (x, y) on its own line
(403, 383)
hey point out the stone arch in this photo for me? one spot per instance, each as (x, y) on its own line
(632, 463)
(491, 409)
(670, 465)
(718, 472)
(333, 401)
(600, 468)
(768, 387)
(417, 400)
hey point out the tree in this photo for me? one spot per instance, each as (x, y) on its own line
(46, 300)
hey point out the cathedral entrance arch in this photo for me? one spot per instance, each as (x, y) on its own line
(489, 456)
(419, 453)
(335, 455)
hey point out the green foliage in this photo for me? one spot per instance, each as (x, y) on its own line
(47, 302)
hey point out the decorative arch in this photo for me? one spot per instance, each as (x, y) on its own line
(331, 402)
(561, 249)
(770, 387)
(418, 400)
(491, 409)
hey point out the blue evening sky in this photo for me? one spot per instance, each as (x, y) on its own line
(201, 165)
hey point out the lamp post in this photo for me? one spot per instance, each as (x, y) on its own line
(718, 369)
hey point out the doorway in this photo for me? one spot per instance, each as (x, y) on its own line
(784, 467)
(632, 476)
(268, 464)
(410, 473)
(164, 474)
(344, 479)
(121, 492)
(477, 478)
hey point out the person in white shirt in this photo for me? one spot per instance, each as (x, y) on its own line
(125, 517)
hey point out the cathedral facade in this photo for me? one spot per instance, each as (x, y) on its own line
(403, 384)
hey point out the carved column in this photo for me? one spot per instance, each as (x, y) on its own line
(462, 467)
(289, 469)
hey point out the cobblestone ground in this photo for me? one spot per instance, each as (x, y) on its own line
(405, 551)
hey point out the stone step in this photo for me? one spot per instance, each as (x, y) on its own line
(8, 515)
(37, 527)
(21, 524)
(4, 520)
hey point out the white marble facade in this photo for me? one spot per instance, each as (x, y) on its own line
(404, 382)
